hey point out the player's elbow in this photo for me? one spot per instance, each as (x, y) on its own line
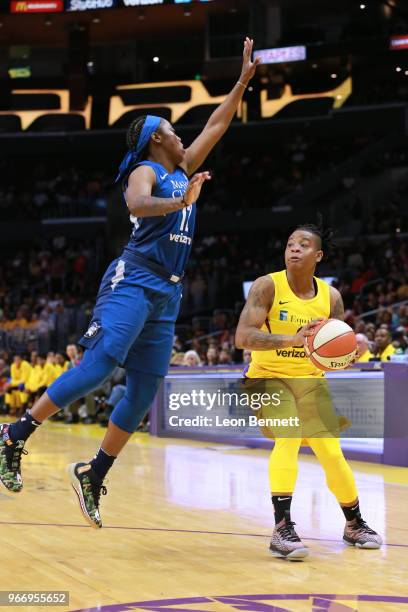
(135, 206)
(240, 338)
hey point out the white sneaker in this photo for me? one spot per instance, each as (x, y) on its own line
(285, 542)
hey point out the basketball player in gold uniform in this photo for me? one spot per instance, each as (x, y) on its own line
(281, 311)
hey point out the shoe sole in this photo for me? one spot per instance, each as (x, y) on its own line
(296, 555)
(366, 545)
(78, 490)
(10, 490)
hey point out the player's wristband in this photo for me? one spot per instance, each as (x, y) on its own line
(184, 203)
(243, 84)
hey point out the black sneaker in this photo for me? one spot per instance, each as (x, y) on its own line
(89, 488)
(10, 461)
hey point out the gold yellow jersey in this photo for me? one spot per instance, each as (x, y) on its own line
(49, 373)
(59, 369)
(36, 379)
(21, 373)
(365, 357)
(387, 352)
(287, 315)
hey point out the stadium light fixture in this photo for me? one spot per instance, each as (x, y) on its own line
(398, 69)
(156, 59)
(333, 75)
(362, 6)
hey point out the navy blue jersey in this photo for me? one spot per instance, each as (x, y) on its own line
(165, 240)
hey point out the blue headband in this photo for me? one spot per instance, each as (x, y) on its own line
(150, 125)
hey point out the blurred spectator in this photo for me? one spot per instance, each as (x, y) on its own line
(177, 359)
(246, 356)
(4, 376)
(363, 348)
(383, 345)
(16, 395)
(212, 356)
(191, 359)
(73, 356)
(225, 357)
(36, 382)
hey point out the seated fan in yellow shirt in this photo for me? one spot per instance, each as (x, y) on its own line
(280, 313)
(36, 383)
(383, 344)
(363, 349)
(16, 396)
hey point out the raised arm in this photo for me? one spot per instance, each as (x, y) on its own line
(336, 304)
(221, 118)
(249, 334)
(141, 203)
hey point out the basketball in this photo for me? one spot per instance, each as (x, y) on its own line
(332, 346)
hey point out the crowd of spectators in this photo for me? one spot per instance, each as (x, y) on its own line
(51, 302)
(24, 378)
(46, 293)
(246, 179)
(58, 188)
(52, 188)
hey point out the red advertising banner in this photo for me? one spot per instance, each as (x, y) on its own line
(36, 6)
(399, 42)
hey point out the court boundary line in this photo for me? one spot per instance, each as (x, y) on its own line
(169, 530)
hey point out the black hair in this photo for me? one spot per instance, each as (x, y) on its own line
(132, 138)
(133, 135)
(325, 234)
(134, 131)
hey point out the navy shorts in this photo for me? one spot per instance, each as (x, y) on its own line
(134, 316)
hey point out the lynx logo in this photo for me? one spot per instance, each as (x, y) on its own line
(93, 329)
(283, 315)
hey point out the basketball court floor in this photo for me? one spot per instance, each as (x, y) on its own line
(187, 528)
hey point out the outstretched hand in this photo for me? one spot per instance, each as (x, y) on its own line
(248, 66)
(194, 187)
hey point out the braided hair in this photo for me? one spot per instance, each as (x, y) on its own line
(132, 138)
(325, 234)
(134, 131)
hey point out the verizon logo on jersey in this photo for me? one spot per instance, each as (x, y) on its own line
(180, 238)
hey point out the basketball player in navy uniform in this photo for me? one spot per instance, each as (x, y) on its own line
(139, 297)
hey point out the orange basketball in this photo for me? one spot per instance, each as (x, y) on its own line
(332, 346)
